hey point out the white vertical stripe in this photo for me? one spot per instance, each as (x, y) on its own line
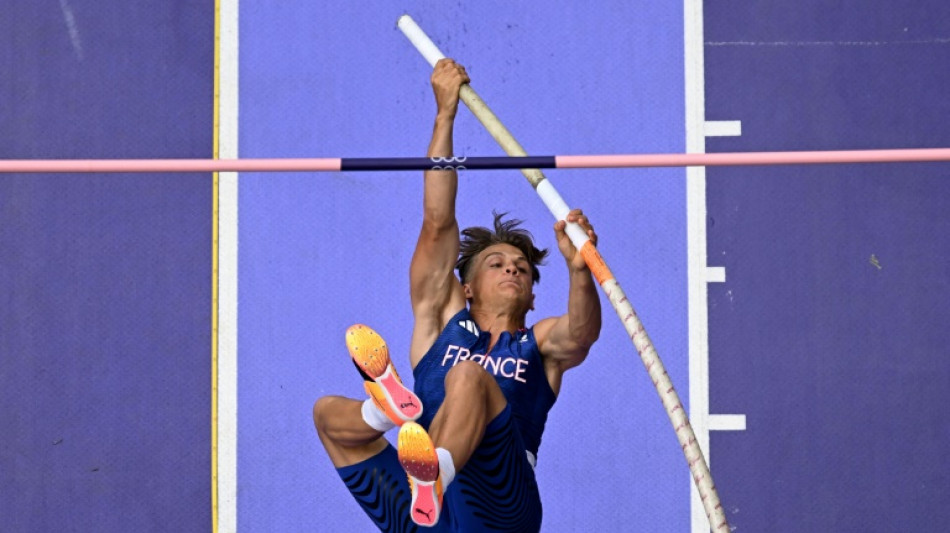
(227, 269)
(696, 245)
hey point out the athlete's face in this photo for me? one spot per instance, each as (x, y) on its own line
(501, 272)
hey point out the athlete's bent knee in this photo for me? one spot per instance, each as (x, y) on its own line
(470, 380)
(467, 373)
(321, 409)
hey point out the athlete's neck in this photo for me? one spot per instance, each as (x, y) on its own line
(496, 321)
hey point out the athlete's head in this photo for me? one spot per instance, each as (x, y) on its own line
(506, 251)
(476, 239)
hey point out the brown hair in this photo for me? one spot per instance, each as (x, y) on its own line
(476, 239)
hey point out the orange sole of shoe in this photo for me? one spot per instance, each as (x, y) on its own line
(368, 349)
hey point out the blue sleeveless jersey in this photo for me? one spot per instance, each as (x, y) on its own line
(514, 361)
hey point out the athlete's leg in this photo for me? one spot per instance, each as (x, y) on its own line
(352, 433)
(347, 438)
(380, 487)
(472, 400)
(497, 490)
(350, 430)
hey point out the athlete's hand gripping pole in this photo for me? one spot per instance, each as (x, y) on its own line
(619, 301)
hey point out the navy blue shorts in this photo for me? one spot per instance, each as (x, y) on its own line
(496, 491)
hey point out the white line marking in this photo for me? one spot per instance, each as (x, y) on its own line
(723, 128)
(827, 43)
(727, 422)
(694, 78)
(228, 269)
(72, 28)
(715, 274)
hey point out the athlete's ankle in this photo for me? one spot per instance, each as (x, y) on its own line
(375, 417)
(446, 466)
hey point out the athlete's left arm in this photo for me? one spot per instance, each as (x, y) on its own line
(564, 341)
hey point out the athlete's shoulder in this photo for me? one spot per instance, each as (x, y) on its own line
(541, 329)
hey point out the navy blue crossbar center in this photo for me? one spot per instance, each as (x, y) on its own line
(446, 163)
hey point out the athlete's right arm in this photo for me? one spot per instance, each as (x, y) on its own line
(435, 292)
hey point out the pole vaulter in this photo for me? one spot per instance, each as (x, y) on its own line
(557, 206)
